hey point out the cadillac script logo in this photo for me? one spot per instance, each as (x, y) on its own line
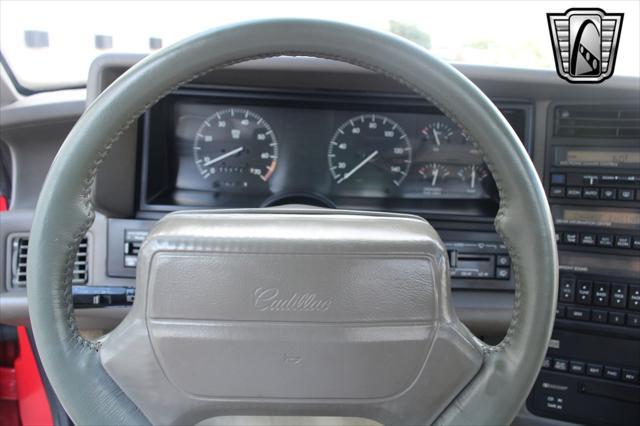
(270, 300)
(585, 43)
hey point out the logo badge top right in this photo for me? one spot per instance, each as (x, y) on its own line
(585, 43)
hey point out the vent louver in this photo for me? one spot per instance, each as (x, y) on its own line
(598, 121)
(20, 250)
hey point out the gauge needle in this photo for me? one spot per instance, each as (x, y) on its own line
(435, 176)
(435, 135)
(358, 167)
(473, 177)
(223, 156)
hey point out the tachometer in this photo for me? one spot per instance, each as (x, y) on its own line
(370, 149)
(236, 148)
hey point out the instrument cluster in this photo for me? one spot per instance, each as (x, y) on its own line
(248, 154)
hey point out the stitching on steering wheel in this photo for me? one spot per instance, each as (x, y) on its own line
(87, 191)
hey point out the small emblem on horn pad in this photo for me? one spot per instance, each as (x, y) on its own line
(272, 300)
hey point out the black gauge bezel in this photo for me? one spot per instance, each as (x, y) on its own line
(157, 171)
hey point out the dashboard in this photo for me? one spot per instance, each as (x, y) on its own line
(242, 148)
(316, 132)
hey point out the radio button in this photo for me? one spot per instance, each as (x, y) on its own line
(588, 239)
(618, 295)
(634, 297)
(591, 193)
(594, 370)
(633, 320)
(576, 367)
(570, 238)
(574, 192)
(608, 194)
(560, 364)
(578, 314)
(599, 316)
(557, 191)
(612, 373)
(616, 318)
(558, 178)
(605, 240)
(630, 376)
(625, 194)
(623, 241)
(600, 293)
(567, 289)
(584, 292)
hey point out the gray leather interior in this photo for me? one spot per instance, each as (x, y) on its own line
(340, 313)
(65, 210)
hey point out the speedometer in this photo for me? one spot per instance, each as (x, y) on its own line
(235, 148)
(370, 150)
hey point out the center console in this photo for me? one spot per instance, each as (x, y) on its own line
(591, 373)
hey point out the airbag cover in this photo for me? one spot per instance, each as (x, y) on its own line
(290, 304)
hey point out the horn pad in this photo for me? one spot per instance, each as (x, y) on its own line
(279, 304)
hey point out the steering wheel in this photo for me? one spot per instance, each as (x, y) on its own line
(291, 311)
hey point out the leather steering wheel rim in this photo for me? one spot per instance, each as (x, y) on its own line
(65, 212)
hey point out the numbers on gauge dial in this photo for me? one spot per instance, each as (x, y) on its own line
(437, 134)
(234, 147)
(369, 146)
(434, 174)
(467, 141)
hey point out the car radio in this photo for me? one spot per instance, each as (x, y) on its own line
(591, 374)
(593, 184)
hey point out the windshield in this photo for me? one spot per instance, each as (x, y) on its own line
(50, 44)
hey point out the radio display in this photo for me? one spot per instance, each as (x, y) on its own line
(596, 157)
(595, 264)
(608, 218)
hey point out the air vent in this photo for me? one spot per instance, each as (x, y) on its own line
(20, 249)
(598, 121)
